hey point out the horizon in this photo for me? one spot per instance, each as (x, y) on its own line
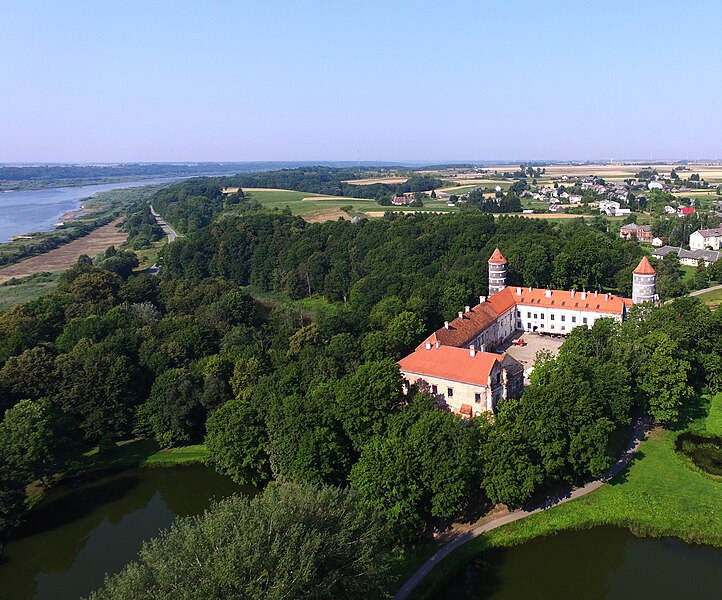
(133, 82)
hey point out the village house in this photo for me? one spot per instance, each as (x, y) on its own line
(639, 233)
(690, 258)
(658, 242)
(704, 239)
(401, 200)
(609, 207)
(454, 362)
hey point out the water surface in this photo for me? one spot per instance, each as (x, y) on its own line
(77, 534)
(601, 563)
(27, 211)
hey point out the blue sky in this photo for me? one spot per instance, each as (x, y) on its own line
(167, 80)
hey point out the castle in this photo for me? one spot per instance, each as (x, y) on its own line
(454, 363)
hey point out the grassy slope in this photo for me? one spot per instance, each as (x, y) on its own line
(141, 453)
(656, 496)
(26, 289)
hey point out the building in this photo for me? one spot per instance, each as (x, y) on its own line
(609, 207)
(506, 311)
(683, 211)
(658, 242)
(463, 380)
(690, 258)
(640, 233)
(704, 239)
(401, 200)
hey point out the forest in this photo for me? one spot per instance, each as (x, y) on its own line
(274, 341)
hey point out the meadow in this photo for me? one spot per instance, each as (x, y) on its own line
(658, 495)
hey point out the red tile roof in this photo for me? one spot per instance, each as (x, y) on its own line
(449, 362)
(645, 268)
(497, 257)
(584, 301)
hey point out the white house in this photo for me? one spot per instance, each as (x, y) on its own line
(706, 239)
(609, 207)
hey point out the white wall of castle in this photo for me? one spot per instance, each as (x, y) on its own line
(452, 394)
(556, 320)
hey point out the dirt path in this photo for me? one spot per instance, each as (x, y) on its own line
(66, 256)
(637, 436)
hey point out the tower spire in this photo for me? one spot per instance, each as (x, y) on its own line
(644, 282)
(497, 272)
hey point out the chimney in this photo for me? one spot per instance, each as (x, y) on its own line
(446, 324)
(472, 351)
(530, 288)
(483, 348)
(573, 292)
(518, 291)
(584, 295)
(548, 294)
(461, 315)
(606, 296)
(467, 309)
(438, 343)
(428, 345)
(482, 299)
(596, 293)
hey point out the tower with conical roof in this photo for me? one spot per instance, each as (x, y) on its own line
(497, 272)
(644, 283)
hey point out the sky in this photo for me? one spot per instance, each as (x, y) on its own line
(182, 80)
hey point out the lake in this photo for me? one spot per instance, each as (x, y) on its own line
(601, 563)
(27, 211)
(77, 534)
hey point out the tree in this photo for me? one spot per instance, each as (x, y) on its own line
(290, 541)
(237, 442)
(663, 377)
(12, 498)
(31, 440)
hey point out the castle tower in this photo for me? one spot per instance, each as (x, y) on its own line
(644, 283)
(497, 272)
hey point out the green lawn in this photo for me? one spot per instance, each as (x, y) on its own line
(140, 453)
(714, 297)
(658, 495)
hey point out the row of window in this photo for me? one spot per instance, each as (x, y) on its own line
(450, 393)
(551, 317)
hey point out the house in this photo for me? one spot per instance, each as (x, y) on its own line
(706, 238)
(655, 185)
(684, 210)
(609, 207)
(640, 233)
(658, 242)
(556, 208)
(690, 258)
(463, 380)
(575, 199)
(401, 200)
(453, 362)
(670, 210)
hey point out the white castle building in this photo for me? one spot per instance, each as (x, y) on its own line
(456, 376)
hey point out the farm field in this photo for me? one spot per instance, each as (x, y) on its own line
(65, 256)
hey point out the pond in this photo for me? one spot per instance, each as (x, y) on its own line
(77, 534)
(595, 564)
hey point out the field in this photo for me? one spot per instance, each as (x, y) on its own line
(657, 495)
(19, 291)
(712, 298)
(65, 256)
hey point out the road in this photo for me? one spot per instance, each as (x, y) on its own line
(167, 229)
(705, 290)
(637, 437)
(169, 232)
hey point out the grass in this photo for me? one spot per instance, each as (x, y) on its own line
(22, 290)
(139, 453)
(657, 495)
(712, 298)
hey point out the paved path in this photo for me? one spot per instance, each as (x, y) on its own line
(705, 290)
(637, 436)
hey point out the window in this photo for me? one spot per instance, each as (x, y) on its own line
(519, 325)
(477, 398)
(518, 313)
(528, 315)
(541, 316)
(434, 389)
(552, 326)
(574, 319)
(564, 318)
(551, 316)
(449, 392)
(498, 377)
(563, 328)
(535, 316)
(584, 320)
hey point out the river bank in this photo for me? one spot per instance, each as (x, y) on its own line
(656, 496)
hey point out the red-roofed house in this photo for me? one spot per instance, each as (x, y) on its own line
(461, 379)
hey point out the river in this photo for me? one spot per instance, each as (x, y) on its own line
(77, 534)
(27, 211)
(601, 563)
